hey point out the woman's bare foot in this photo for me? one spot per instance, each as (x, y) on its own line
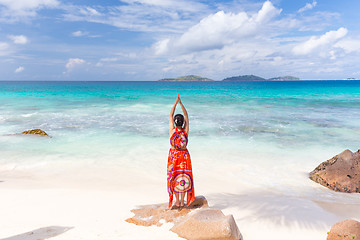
(176, 205)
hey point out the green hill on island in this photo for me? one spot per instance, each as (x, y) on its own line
(285, 78)
(257, 78)
(188, 78)
(245, 78)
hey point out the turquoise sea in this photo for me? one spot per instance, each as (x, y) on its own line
(260, 134)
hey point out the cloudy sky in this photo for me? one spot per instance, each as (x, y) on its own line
(154, 39)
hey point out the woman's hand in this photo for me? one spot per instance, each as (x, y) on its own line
(178, 99)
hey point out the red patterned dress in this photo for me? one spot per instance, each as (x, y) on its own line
(179, 171)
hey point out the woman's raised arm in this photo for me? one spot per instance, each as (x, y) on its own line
(171, 117)
(186, 117)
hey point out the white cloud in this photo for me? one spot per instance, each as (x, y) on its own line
(218, 30)
(182, 5)
(19, 39)
(82, 34)
(112, 59)
(162, 46)
(79, 33)
(142, 15)
(308, 6)
(349, 45)
(15, 10)
(127, 55)
(73, 62)
(267, 12)
(316, 43)
(121, 57)
(19, 69)
(28, 4)
(107, 60)
(89, 11)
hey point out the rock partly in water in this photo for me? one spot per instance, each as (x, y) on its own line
(340, 173)
(195, 222)
(345, 230)
(35, 132)
(208, 224)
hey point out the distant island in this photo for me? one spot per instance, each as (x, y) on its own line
(257, 78)
(189, 78)
(285, 78)
(194, 78)
(245, 78)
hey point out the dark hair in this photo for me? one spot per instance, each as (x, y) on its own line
(179, 120)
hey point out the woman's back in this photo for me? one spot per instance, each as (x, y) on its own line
(179, 139)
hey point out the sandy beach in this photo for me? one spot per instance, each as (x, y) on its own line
(93, 203)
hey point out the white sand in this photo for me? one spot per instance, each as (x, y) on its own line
(91, 203)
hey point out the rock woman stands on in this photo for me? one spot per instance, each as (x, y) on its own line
(179, 170)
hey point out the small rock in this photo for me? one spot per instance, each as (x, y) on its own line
(340, 173)
(200, 201)
(149, 215)
(345, 230)
(35, 132)
(208, 224)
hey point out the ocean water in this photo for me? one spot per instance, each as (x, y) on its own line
(262, 135)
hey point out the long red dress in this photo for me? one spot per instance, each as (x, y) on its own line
(179, 170)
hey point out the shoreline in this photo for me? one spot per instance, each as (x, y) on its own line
(252, 146)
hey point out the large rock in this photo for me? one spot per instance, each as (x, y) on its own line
(195, 222)
(345, 230)
(208, 224)
(340, 173)
(35, 132)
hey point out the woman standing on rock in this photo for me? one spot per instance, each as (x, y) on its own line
(179, 170)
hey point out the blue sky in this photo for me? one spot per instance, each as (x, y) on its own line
(153, 39)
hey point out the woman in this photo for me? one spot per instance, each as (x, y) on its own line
(179, 171)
